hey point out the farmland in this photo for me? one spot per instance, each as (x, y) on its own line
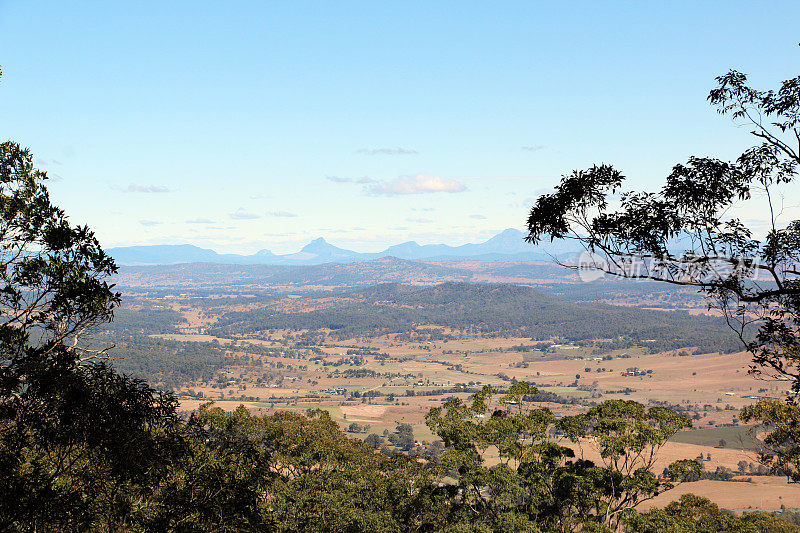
(380, 356)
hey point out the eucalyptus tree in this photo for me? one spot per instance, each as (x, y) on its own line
(687, 233)
(536, 481)
(73, 432)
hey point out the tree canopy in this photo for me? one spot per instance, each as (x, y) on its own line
(688, 233)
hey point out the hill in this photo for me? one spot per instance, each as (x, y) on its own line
(481, 309)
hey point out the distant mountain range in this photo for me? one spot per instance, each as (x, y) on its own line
(508, 245)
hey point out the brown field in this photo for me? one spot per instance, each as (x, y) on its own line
(765, 493)
(719, 383)
(674, 451)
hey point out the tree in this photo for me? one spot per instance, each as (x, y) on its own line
(539, 483)
(53, 274)
(373, 440)
(684, 234)
(628, 436)
(403, 437)
(780, 451)
(72, 431)
(643, 237)
(294, 472)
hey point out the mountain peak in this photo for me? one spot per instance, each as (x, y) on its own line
(317, 245)
(509, 233)
(512, 238)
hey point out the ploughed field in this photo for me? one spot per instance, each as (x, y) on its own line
(380, 356)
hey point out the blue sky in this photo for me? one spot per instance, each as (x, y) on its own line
(240, 126)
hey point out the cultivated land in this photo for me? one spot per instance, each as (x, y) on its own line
(269, 349)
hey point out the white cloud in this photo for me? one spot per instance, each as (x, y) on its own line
(386, 151)
(478, 217)
(419, 184)
(133, 187)
(241, 214)
(285, 214)
(148, 223)
(339, 179)
(199, 221)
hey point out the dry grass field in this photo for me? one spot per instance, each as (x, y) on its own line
(765, 493)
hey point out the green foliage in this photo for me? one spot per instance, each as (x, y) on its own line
(53, 273)
(166, 363)
(684, 234)
(538, 481)
(77, 440)
(90, 455)
(145, 321)
(289, 472)
(781, 446)
(403, 437)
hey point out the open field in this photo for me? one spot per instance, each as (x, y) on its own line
(762, 493)
(739, 437)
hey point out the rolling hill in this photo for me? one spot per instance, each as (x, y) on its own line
(484, 309)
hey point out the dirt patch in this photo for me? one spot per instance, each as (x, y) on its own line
(364, 411)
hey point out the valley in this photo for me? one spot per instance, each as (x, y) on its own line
(375, 351)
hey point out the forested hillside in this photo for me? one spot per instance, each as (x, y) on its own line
(167, 363)
(484, 309)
